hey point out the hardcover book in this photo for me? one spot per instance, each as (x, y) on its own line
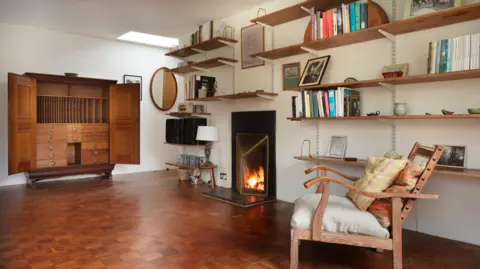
(354, 103)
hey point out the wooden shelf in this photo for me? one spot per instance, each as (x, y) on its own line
(190, 167)
(407, 117)
(464, 172)
(187, 114)
(208, 45)
(295, 12)
(458, 75)
(242, 95)
(207, 64)
(184, 145)
(428, 21)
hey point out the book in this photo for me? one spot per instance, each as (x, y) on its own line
(321, 111)
(339, 21)
(331, 101)
(304, 114)
(330, 22)
(294, 106)
(352, 17)
(467, 54)
(362, 16)
(326, 104)
(347, 103)
(315, 104)
(299, 105)
(429, 59)
(444, 56)
(357, 17)
(455, 55)
(207, 31)
(308, 109)
(437, 56)
(335, 21)
(449, 55)
(354, 103)
(319, 25)
(324, 25)
(313, 18)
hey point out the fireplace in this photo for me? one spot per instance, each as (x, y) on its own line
(252, 164)
(253, 160)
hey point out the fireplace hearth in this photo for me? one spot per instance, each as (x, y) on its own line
(253, 160)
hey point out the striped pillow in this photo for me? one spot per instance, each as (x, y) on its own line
(379, 175)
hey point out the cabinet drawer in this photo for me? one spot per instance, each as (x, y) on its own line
(75, 128)
(95, 127)
(51, 133)
(94, 156)
(51, 163)
(94, 145)
(51, 151)
(74, 137)
(95, 137)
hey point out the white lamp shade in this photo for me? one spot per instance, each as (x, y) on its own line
(207, 133)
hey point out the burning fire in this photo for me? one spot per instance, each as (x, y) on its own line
(255, 178)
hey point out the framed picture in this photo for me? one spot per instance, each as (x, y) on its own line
(253, 41)
(396, 70)
(314, 70)
(420, 7)
(199, 108)
(337, 147)
(290, 75)
(453, 156)
(130, 79)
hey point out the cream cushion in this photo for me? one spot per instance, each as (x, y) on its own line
(341, 216)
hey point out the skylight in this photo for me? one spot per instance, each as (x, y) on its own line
(148, 39)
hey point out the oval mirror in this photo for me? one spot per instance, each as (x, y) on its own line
(163, 89)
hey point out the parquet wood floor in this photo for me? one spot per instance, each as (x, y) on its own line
(150, 221)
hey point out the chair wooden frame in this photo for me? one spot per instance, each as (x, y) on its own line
(400, 210)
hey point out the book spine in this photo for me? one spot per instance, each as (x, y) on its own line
(331, 100)
(347, 103)
(327, 104)
(340, 21)
(352, 17)
(294, 106)
(355, 103)
(444, 55)
(429, 66)
(357, 17)
(324, 25)
(303, 105)
(437, 56)
(468, 54)
(455, 54)
(335, 22)
(320, 104)
(299, 105)
(315, 104)
(308, 108)
(362, 16)
(330, 23)
(449, 55)
(347, 18)
(366, 15)
(319, 25)
(313, 21)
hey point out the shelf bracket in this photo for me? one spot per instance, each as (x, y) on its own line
(230, 44)
(200, 69)
(387, 122)
(268, 97)
(389, 86)
(387, 35)
(305, 9)
(268, 61)
(311, 51)
(227, 63)
(199, 51)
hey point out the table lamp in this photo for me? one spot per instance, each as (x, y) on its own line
(210, 135)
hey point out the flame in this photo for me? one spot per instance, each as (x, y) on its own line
(255, 178)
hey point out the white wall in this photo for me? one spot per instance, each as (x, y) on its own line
(454, 215)
(26, 49)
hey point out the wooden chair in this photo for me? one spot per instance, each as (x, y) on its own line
(400, 210)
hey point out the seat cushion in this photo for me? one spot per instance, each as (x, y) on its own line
(341, 216)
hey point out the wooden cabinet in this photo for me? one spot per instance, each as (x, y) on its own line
(62, 126)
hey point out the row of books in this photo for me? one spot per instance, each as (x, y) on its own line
(340, 102)
(454, 54)
(209, 30)
(345, 19)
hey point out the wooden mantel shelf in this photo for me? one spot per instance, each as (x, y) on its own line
(410, 25)
(243, 95)
(449, 76)
(207, 64)
(208, 45)
(392, 117)
(463, 172)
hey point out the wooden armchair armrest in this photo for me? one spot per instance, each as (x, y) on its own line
(326, 168)
(376, 195)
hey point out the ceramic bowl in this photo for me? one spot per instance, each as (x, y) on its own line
(474, 110)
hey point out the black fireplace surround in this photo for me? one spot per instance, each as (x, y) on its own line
(251, 122)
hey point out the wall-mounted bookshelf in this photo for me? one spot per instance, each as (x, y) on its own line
(208, 45)
(410, 25)
(406, 117)
(464, 172)
(184, 145)
(207, 64)
(188, 114)
(243, 95)
(458, 75)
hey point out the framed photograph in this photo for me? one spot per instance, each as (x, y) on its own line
(199, 108)
(290, 75)
(337, 147)
(396, 70)
(420, 7)
(314, 70)
(130, 79)
(253, 41)
(453, 156)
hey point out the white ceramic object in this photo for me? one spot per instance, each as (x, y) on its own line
(400, 109)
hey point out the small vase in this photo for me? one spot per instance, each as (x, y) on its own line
(400, 109)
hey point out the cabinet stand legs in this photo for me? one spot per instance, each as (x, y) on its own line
(30, 182)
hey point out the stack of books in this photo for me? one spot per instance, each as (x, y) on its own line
(209, 30)
(454, 54)
(345, 19)
(340, 102)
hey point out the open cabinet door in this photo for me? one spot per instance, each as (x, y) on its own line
(22, 124)
(125, 124)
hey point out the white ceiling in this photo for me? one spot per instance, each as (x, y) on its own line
(112, 18)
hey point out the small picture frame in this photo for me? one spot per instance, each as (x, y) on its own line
(131, 79)
(314, 70)
(421, 7)
(453, 156)
(290, 75)
(199, 109)
(252, 42)
(337, 147)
